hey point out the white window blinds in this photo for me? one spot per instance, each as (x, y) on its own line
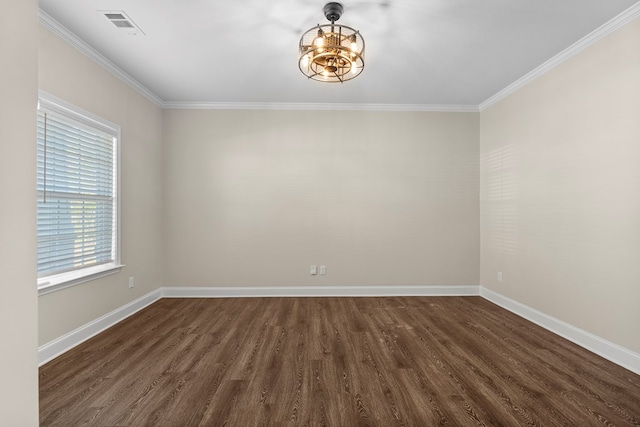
(77, 193)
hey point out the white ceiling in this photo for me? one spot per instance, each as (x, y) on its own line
(423, 52)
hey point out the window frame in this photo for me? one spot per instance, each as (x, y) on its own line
(55, 282)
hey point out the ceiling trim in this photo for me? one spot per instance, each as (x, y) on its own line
(319, 106)
(75, 41)
(613, 25)
(61, 31)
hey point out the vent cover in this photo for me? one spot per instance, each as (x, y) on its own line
(122, 22)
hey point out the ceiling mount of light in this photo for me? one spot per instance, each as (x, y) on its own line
(331, 52)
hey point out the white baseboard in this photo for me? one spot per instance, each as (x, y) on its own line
(319, 291)
(610, 351)
(60, 345)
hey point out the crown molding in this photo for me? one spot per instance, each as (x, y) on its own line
(299, 106)
(58, 29)
(613, 25)
(62, 32)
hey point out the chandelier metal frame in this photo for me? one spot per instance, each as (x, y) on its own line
(331, 53)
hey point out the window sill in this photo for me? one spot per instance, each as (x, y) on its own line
(50, 284)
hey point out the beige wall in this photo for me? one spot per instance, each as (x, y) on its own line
(253, 198)
(72, 76)
(560, 191)
(18, 304)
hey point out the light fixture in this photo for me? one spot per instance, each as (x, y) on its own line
(331, 52)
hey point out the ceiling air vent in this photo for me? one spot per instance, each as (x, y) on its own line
(122, 21)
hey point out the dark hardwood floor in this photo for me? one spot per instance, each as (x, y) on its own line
(413, 361)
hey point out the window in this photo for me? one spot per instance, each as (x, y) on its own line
(78, 211)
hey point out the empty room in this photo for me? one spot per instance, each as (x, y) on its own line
(300, 212)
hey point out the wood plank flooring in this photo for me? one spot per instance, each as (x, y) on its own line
(402, 361)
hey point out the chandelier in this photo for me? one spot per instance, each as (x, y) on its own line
(331, 52)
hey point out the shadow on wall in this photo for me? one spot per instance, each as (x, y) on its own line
(501, 196)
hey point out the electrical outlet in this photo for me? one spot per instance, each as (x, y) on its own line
(323, 269)
(313, 270)
(499, 276)
(132, 281)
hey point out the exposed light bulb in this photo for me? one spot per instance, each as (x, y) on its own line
(329, 52)
(353, 40)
